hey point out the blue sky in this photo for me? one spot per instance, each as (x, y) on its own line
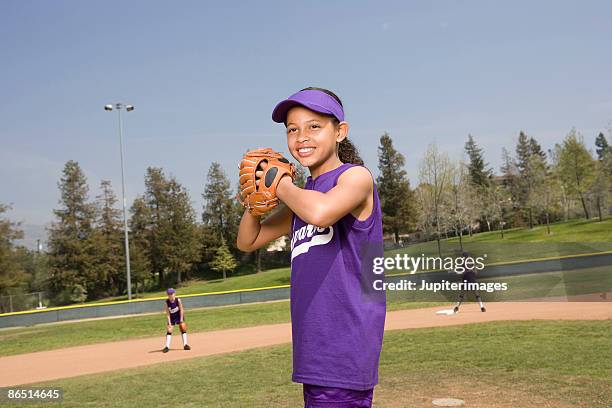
(205, 76)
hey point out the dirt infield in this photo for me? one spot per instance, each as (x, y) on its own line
(95, 358)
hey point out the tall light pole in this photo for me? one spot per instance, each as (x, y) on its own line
(128, 108)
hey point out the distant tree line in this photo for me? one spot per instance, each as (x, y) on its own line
(534, 187)
(169, 244)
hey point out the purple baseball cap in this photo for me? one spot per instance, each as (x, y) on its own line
(170, 291)
(312, 99)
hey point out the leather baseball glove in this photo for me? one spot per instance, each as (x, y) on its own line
(260, 198)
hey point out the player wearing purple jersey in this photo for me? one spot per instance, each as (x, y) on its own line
(175, 314)
(335, 223)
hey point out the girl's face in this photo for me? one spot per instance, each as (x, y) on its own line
(171, 297)
(312, 137)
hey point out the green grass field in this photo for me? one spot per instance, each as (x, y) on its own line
(500, 364)
(60, 335)
(567, 238)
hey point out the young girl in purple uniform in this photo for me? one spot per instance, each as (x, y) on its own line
(175, 314)
(335, 221)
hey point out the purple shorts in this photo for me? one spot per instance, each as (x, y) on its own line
(175, 319)
(328, 397)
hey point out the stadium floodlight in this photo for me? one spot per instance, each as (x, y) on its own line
(129, 108)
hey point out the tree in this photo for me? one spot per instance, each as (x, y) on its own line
(576, 167)
(140, 225)
(529, 157)
(509, 183)
(602, 146)
(396, 198)
(500, 205)
(109, 262)
(480, 180)
(460, 202)
(223, 261)
(173, 238)
(182, 246)
(71, 247)
(480, 173)
(563, 197)
(156, 200)
(434, 176)
(218, 200)
(600, 188)
(543, 193)
(13, 277)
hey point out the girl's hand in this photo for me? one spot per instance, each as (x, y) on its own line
(259, 173)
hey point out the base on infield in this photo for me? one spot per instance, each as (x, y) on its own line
(446, 312)
(448, 402)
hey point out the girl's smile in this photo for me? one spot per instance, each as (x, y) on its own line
(305, 151)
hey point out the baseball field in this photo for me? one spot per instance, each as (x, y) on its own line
(518, 354)
(525, 351)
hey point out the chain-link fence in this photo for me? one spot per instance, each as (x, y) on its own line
(24, 301)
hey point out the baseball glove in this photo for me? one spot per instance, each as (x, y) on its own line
(261, 198)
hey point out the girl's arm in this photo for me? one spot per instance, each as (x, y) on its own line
(253, 234)
(167, 313)
(182, 319)
(354, 187)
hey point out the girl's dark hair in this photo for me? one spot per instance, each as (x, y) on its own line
(347, 152)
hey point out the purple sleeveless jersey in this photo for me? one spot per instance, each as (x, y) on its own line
(337, 328)
(175, 311)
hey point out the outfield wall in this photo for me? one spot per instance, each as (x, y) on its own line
(138, 306)
(120, 308)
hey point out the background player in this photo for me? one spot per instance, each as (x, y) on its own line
(176, 315)
(468, 276)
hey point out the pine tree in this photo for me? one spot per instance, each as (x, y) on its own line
(183, 246)
(530, 157)
(224, 260)
(535, 150)
(218, 214)
(169, 225)
(140, 224)
(602, 146)
(109, 242)
(394, 190)
(71, 247)
(480, 174)
(523, 151)
(156, 200)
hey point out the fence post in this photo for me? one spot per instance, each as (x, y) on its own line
(10, 303)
